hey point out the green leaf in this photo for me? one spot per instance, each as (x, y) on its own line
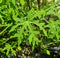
(13, 52)
(13, 1)
(30, 38)
(7, 47)
(1, 19)
(5, 29)
(13, 28)
(48, 52)
(0, 1)
(22, 2)
(44, 31)
(43, 12)
(19, 48)
(31, 14)
(20, 34)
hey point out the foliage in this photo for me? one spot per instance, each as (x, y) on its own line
(21, 23)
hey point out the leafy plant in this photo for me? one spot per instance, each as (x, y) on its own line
(20, 24)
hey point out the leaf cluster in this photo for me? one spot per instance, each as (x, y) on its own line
(19, 25)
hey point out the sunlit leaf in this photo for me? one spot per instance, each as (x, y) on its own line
(0, 1)
(22, 2)
(48, 52)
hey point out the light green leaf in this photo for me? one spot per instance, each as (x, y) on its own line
(13, 52)
(13, 28)
(13, 1)
(30, 38)
(0, 1)
(19, 48)
(20, 34)
(44, 31)
(22, 2)
(5, 29)
(48, 52)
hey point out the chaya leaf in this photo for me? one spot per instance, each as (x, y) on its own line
(22, 2)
